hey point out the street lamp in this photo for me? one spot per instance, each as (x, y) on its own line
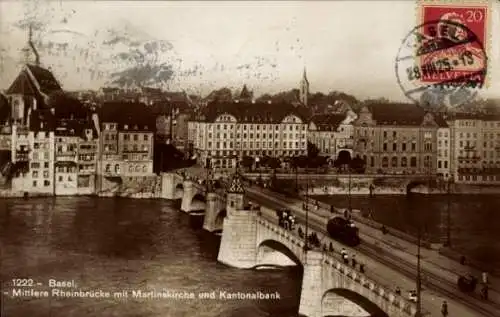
(208, 165)
(306, 245)
(448, 214)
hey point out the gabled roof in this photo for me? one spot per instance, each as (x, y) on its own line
(132, 114)
(261, 112)
(236, 186)
(396, 114)
(75, 128)
(35, 81)
(327, 122)
(45, 79)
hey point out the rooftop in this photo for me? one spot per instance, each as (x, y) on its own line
(253, 112)
(328, 122)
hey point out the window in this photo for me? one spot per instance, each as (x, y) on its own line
(108, 168)
(413, 162)
(403, 146)
(34, 183)
(394, 146)
(46, 165)
(46, 183)
(404, 162)
(385, 147)
(394, 161)
(385, 162)
(372, 161)
(413, 146)
(439, 164)
(45, 174)
(60, 178)
(117, 168)
(146, 137)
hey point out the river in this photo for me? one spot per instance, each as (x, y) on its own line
(120, 245)
(474, 219)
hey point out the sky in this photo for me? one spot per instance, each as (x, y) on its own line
(348, 46)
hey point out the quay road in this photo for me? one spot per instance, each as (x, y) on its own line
(392, 264)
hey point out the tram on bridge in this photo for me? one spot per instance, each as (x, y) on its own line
(344, 231)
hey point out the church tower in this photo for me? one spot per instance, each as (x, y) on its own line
(30, 54)
(304, 88)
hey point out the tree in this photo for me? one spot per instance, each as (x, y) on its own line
(312, 150)
(247, 162)
(358, 164)
(223, 94)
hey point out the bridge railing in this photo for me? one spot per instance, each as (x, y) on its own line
(367, 279)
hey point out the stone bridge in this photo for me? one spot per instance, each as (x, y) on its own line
(194, 198)
(329, 287)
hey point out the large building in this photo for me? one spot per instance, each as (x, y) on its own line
(475, 152)
(332, 133)
(225, 132)
(397, 139)
(126, 140)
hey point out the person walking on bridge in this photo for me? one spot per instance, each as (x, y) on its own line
(444, 309)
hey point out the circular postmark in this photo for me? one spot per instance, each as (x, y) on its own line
(441, 64)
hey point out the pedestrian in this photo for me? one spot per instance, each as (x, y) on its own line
(331, 247)
(485, 278)
(462, 260)
(484, 292)
(398, 291)
(362, 268)
(444, 309)
(331, 209)
(353, 260)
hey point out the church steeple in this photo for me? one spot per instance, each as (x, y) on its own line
(29, 51)
(304, 88)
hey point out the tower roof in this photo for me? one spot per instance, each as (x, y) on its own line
(236, 186)
(245, 93)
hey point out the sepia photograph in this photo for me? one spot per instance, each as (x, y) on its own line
(336, 158)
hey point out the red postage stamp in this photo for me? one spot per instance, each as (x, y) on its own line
(460, 28)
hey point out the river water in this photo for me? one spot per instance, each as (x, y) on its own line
(474, 220)
(120, 245)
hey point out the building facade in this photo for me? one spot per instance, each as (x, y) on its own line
(444, 153)
(475, 148)
(229, 131)
(396, 139)
(66, 161)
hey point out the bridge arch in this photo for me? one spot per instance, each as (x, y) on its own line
(350, 301)
(179, 190)
(198, 202)
(268, 246)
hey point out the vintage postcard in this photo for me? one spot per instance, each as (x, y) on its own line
(249, 158)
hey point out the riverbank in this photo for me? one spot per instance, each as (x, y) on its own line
(456, 189)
